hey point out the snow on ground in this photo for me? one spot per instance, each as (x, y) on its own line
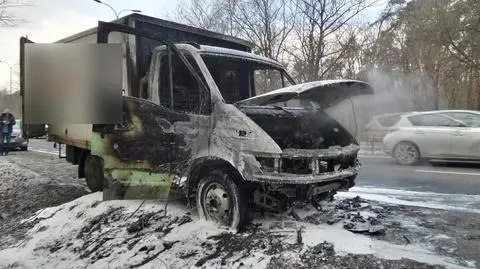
(109, 234)
(87, 228)
(26, 186)
(89, 232)
(457, 202)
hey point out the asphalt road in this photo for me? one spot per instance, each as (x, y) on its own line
(383, 172)
(44, 146)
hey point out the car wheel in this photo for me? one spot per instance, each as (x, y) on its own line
(93, 168)
(406, 153)
(221, 200)
(24, 148)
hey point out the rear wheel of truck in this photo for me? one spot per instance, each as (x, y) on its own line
(221, 200)
(93, 169)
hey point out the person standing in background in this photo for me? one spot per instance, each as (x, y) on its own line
(7, 120)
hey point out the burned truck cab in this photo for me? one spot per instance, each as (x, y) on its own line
(229, 129)
(266, 136)
(232, 131)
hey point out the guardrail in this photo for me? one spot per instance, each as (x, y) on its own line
(371, 148)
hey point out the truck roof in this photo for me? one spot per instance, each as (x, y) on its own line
(211, 50)
(126, 20)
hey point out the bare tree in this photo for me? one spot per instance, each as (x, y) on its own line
(7, 17)
(439, 40)
(319, 28)
(214, 15)
(266, 23)
(431, 47)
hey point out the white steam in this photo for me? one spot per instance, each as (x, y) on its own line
(394, 92)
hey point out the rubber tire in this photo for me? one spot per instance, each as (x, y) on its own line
(24, 148)
(236, 192)
(94, 177)
(407, 163)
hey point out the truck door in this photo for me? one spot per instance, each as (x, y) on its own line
(137, 154)
(28, 130)
(159, 135)
(188, 102)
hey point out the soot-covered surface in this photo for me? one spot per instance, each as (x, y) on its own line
(299, 128)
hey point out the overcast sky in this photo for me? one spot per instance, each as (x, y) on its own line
(51, 20)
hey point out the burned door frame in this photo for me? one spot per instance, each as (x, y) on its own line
(140, 179)
(190, 128)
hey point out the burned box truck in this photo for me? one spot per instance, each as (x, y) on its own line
(202, 114)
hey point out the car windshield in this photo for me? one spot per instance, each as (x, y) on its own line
(239, 79)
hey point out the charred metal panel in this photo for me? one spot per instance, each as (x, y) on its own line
(316, 149)
(143, 154)
(299, 128)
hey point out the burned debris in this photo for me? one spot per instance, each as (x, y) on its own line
(358, 224)
(112, 231)
(325, 249)
(347, 212)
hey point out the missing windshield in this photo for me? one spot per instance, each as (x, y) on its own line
(239, 79)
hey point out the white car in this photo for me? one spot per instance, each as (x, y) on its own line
(435, 135)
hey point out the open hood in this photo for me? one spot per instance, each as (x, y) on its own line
(324, 92)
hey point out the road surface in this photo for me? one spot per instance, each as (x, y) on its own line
(44, 146)
(384, 172)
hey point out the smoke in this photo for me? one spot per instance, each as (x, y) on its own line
(394, 92)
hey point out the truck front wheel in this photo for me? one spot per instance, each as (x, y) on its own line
(221, 200)
(94, 173)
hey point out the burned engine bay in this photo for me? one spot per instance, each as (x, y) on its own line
(299, 128)
(319, 156)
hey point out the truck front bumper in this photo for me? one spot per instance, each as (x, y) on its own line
(308, 166)
(289, 178)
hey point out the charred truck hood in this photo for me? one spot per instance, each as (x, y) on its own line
(315, 147)
(325, 93)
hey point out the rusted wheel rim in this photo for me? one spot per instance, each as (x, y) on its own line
(217, 203)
